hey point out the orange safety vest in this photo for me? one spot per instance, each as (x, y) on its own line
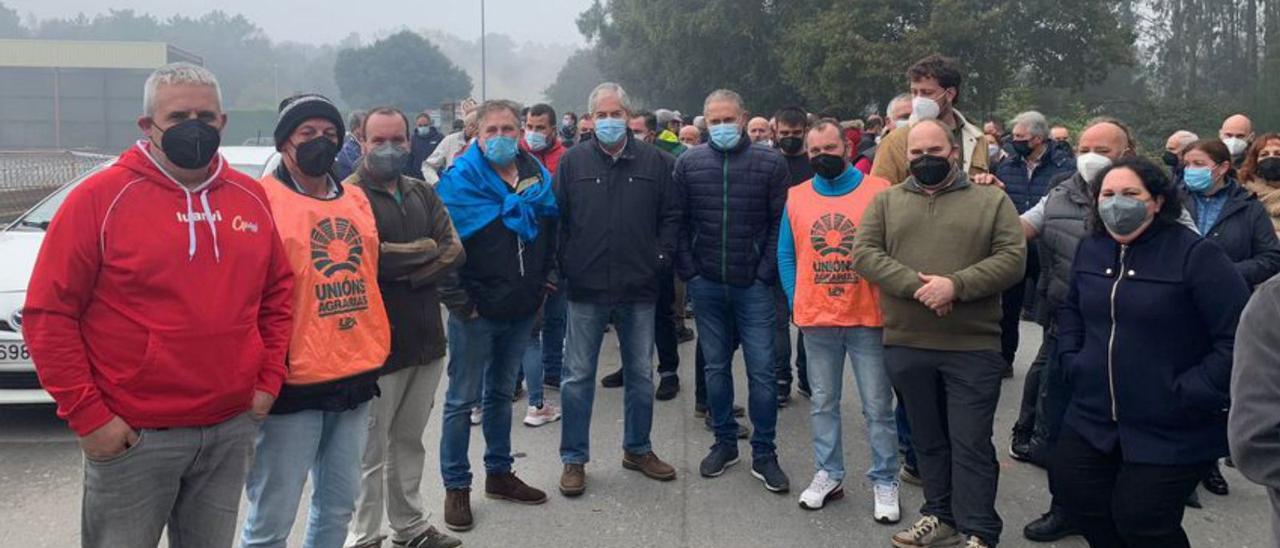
(340, 326)
(829, 292)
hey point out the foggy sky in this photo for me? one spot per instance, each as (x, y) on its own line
(328, 21)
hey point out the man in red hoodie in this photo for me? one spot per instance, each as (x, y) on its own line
(158, 317)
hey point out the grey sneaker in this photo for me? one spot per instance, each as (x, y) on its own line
(929, 532)
(975, 542)
(431, 538)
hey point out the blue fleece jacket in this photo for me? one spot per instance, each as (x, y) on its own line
(844, 184)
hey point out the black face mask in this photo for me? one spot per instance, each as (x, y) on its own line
(191, 144)
(1269, 169)
(829, 166)
(316, 156)
(1023, 148)
(930, 171)
(1170, 159)
(791, 146)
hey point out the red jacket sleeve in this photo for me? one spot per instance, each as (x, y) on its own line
(61, 288)
(275, 318)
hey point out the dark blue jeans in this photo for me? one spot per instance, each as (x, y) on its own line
(486, 354)
(719, 308)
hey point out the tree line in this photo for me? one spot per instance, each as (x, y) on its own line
(1158, 64)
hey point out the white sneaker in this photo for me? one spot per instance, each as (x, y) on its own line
(821, 490)
(477, 415)
(887, 510)
(539, 416)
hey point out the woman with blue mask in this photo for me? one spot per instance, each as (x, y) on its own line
(1145, 339)
(1227, 213)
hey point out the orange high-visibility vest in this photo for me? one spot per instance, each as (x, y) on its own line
(829, 292)
(340, 326)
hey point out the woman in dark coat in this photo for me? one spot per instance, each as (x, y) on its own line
(1145, 336)
(1229, 214)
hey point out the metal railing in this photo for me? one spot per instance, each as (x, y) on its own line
(27, 177)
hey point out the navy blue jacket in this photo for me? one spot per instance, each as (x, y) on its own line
(1026, 192)
(1156, 380)
(732, 202)
(421, 147)
(1245, 232)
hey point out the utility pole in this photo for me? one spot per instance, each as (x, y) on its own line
(483, 74)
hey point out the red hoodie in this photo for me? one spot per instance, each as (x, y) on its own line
(550, 156)
(161, 306)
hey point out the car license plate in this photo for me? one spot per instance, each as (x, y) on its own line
(14, 353)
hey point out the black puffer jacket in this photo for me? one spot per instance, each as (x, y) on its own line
(732, 202)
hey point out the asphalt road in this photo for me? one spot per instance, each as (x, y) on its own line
(40, 471)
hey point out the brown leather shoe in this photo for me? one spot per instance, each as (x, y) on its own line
(573, 481)
(650, 465)
(457, 510)
(508, 487)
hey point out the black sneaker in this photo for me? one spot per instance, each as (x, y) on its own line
(668, 387)
(1193, 500)
(784, 395)
(720, 458)
(612, 380)
(910, 476)
(804, 390)
(1215, 483)
(1020, 447)
(1051, 527)
(767, 470)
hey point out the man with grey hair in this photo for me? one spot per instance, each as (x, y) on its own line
(731, 268)
(1173, 148)
(349, 156)
(1026, 176)
(898, 113)
(160, 327)
(619, 220)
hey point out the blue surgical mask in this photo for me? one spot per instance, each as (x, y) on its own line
(500, 149)
(609, 131)
(535, 140)
(1197, 179)
(725, 136)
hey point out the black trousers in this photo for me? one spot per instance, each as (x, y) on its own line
(951, 402)
(664, 326)
(1122, 504)
(1011, 302)
(782, 344)
(1031, 391)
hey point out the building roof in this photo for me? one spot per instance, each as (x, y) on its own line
(91, 54)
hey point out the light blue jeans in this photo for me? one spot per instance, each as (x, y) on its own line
(634, 322)
(826, 348)
(329, 445)
(534, 372)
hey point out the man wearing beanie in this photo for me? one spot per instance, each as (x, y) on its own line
(419, 247)
(340, 337)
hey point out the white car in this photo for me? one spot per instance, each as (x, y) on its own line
(19, 245)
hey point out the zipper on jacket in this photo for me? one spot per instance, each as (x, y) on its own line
(1111, 341)
(724, 222)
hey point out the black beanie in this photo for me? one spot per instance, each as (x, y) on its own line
(300, 108)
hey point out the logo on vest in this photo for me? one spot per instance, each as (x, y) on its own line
(832, 237)
(336, 247)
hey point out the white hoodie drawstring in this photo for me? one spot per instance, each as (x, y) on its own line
(213, 227)
(520, 253)
(191, 230)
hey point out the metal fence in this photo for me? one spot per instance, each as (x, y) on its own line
(27, 177)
